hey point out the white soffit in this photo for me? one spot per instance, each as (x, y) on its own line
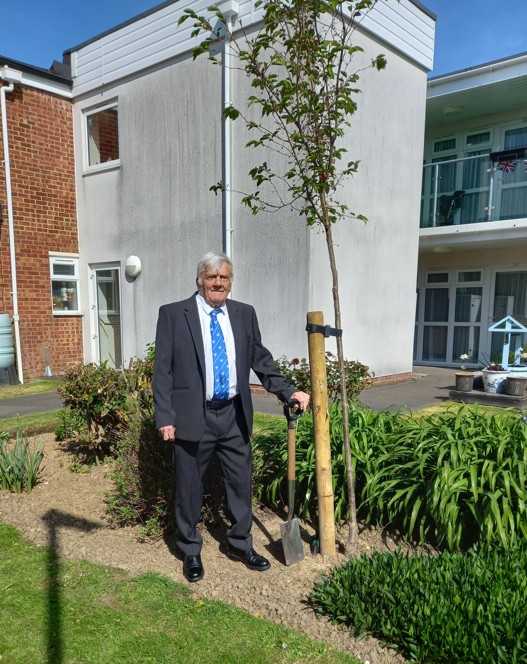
(479, 91)
(156, 37)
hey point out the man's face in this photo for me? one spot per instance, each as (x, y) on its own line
(216, 285)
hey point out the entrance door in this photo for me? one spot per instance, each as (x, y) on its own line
(107, 315)
(449, 317)
(510, 299)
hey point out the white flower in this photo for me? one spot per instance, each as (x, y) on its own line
(464, 357)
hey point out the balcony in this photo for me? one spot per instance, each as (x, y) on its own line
(474, 190)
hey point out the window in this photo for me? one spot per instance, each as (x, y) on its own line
(102, 136)
(516, 138)
(478, 139)
(64, 285)
(445, 144)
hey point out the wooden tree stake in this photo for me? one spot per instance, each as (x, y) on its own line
(319, 407)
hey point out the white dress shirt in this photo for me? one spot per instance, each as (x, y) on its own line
(204, 310)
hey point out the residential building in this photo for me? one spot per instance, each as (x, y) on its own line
(473, 234)
(39, 251)
(151, 141)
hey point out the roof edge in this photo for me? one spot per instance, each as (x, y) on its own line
(48, 74)
(129, 21)
(475, 68)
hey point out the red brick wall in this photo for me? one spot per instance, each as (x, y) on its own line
(40, 130)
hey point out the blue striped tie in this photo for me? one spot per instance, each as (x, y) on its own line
(219, 358)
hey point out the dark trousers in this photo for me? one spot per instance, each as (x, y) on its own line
(225, 434)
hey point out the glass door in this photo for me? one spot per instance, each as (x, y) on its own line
(449, 317)
(467, 315)
(510, 299)
(435, 317)
(107, 315)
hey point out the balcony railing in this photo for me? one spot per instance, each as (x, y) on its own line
(472, 190)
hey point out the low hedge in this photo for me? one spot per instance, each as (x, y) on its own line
(468, 608)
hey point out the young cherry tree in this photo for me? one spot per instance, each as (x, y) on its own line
(300, 64)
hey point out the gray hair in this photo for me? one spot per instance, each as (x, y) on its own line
(213, 261)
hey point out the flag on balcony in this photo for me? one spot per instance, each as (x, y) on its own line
(506, 166)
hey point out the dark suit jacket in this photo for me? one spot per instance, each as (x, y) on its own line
(179, 368)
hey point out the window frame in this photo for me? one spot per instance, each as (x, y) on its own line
(86, 115)
(71, 260)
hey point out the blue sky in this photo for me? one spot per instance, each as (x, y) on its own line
(469, 32)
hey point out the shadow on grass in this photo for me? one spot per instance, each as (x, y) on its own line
(55, 520)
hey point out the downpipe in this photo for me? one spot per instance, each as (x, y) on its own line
(4, 90)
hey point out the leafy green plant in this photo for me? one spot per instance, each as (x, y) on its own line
(298, 374)
(71, 425)
(445, 608)
(452, 478)
(19, 465)
(97, 395)
(143, 479)
(455, 478)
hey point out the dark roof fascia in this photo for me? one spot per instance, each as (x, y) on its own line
(148, 12)
(36, 71)
(475, 68)
(424, 9)
(167, 3)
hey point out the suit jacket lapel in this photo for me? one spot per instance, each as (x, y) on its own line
(192, 316)
(236, 326)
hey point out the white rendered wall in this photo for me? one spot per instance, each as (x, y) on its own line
(158, 206)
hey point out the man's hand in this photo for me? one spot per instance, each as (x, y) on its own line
(168, 432)
(302, 398)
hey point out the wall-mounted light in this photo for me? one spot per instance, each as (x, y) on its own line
(133, 266)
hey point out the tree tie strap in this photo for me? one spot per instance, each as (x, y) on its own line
(326, 330)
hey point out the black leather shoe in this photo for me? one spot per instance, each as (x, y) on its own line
(193, 568)
(249, 558)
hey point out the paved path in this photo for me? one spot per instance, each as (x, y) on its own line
(33, 403)
(428, 385)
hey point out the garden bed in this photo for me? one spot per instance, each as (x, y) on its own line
(69, 508)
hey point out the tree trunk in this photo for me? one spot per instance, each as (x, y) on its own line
(350, 477)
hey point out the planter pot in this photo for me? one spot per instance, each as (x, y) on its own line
(464, 381)
(517, 370)
(494, 381)
(478, 380)
(515, 386)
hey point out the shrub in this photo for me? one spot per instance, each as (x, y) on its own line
(446, 608)
(97, 395)
(19, 465)
(298, 374)
(270, 457)
(143, 479)
(453, 478)
(456, 477)
(71, 425)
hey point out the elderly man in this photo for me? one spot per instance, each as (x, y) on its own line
(206, 347)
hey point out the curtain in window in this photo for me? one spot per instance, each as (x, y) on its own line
(516, 138)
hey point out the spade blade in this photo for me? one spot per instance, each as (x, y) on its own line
(292, 542)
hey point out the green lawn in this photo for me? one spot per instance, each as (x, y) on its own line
(75, 611)
(36, 387)
(31, 425)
